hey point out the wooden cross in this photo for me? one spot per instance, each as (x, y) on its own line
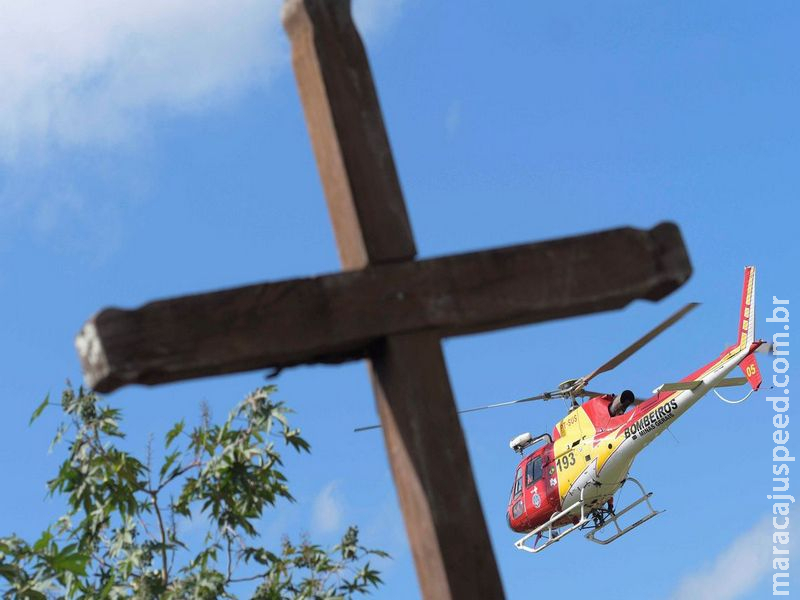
(385, 307)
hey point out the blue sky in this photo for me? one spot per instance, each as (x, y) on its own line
(159, 149)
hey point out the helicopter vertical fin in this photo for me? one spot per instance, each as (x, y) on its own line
(747, 313)
(750, 368)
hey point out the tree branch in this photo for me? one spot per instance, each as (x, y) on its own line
(164, 561)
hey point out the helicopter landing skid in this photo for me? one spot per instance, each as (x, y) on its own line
(551, 534)
(605, 517)
(596, 519)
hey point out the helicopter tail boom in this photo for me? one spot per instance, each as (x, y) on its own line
(671, 400)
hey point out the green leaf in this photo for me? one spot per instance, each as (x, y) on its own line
(42, 543)
(168, 462)
(67, 560)
(9, 572)
(174, 432)
(45, 403)
(60, 431)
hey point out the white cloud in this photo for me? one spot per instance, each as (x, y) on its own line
(84, 71)
(736, 571)
(80, 72)
(328, 510)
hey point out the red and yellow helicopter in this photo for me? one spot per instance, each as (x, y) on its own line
(568, 482)
(570, 478)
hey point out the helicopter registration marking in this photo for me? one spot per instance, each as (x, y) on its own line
(566, 461)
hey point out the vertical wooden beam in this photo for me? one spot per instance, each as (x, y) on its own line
(431, 469)
(347, 133)
(425, 444)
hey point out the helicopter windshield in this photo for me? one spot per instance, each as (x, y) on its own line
(533, 471)
(516, 490)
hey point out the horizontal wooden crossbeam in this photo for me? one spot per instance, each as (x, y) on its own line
(337, 317)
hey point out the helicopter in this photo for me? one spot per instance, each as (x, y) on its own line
(569, 478)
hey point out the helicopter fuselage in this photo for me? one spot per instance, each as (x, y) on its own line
(592, 450)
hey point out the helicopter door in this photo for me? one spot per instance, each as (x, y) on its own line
(550, 475)
(537, 494)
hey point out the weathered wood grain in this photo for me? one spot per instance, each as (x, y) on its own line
(431, 467)
(337, 317)
(348, 136)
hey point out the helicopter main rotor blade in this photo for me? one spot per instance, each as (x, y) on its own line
(545, 396)
(367, 428)
(576, 388)
(640, 343)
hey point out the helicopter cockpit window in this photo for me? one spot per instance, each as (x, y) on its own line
(518, 483)
(533, 471)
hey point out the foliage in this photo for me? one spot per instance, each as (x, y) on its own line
(122, 534)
